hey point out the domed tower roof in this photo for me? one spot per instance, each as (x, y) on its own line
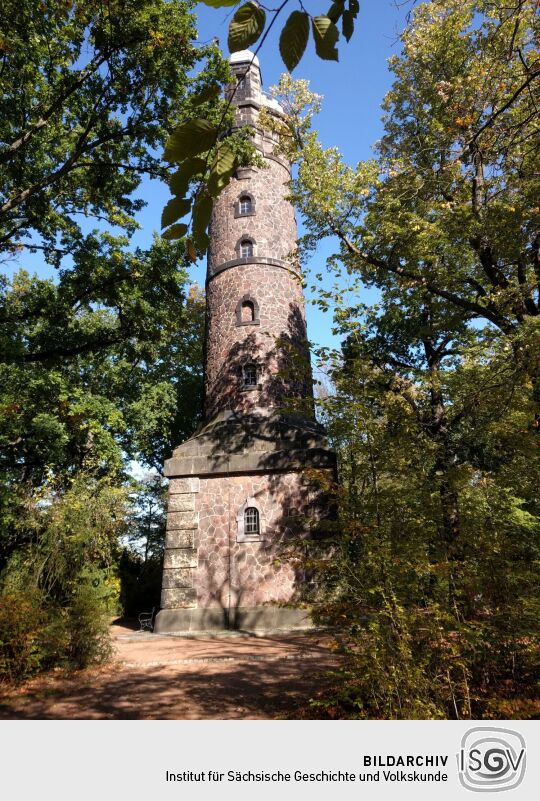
(244, 56)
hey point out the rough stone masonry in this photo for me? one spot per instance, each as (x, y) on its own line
(248, 482)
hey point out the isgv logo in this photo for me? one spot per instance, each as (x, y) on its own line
(491, 759)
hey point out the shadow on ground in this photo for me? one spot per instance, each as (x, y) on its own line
(231, 679)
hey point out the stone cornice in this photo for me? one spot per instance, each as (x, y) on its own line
(226, 265)
(284, 461)
(277, 159)
(231, 443)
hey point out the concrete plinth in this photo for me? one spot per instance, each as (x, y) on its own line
(213, 619)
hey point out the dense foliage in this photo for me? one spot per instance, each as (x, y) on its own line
(434, 409)
(102, 347)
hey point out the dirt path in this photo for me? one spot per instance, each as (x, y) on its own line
(226, 677)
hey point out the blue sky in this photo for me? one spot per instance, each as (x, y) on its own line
(353, 89)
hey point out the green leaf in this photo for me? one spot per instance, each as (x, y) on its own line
(326, 35)
(175, 208)
(354, 7)
(336, 10)
(175, 231)
(202, 211)
(208, 93)
(246, 26)
(179, 181)
(222, 169)
(189, 139)
(191, 251)
(219, 3)
(347, 25)
(294, 38)
(202, 241)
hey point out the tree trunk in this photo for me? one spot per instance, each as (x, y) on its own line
(450, 526)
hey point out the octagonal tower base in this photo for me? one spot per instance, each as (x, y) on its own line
(216, 575)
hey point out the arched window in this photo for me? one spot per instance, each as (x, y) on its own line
(245, 204)
(246, 248)
(252, 524)
(249, 375)
(248, 311)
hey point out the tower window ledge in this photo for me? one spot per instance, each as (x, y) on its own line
(249, 538)
(248, 322)
(238, 213)
(253, 388)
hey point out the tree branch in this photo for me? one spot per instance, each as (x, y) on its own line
(489, 311)
(11, 151)
(489, 122)
(87, 347)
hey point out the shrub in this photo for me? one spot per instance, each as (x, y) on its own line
(22, 626)
(87, 621)
(37, 634)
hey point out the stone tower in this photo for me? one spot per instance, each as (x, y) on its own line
(243, 486)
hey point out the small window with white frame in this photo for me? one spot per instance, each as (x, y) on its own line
(250, 522)
(246, 248)
(245, 205)
(249, 375)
